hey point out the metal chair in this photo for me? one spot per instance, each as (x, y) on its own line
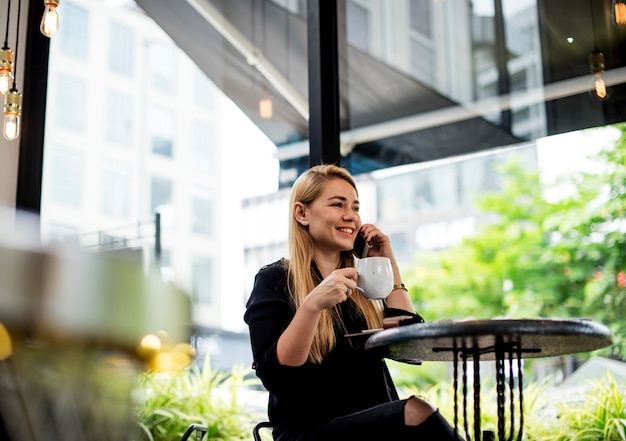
(258, 427)
(200, 430)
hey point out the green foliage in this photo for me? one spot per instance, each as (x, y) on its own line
(535, 404)
(167, 403)
(538, 257)
(421, 376)
(600, 415)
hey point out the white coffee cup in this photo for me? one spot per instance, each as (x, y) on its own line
(375, 277)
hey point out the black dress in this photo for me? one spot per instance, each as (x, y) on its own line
(349, 395)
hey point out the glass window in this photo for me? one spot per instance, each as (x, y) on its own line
(444, 183)
(63, 234)
(204, 90)
(119, 118)
(357, 26)
(66, 178)
(420, 16)
(115, 192)
(202, 278)
(74, 40)
(161, 191)
(70, 105)
(202, 147)
(201, 215)
(162, 59)
(121, 49)
(422, 61)
(162, 131)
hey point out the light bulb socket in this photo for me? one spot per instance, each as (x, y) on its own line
(596, 62)
(13, 103)
(6, 60)
(51, 3)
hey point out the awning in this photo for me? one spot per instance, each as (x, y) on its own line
(253, 49)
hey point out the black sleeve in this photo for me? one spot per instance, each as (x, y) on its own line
(395, 312)
(268, 313)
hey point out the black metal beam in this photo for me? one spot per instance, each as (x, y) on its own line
(501, 55)
(323, 82)
(34, 91)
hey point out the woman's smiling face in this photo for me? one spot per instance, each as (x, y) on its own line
(333, 217)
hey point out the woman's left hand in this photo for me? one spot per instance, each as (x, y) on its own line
(379, 242)
(381, 246)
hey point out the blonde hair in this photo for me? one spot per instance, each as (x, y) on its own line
(305, 190)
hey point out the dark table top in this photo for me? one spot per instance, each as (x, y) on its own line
(436, 341)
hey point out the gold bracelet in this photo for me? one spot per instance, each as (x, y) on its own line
(399, 286)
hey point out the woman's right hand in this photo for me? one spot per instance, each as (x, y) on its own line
(295, 342)
(334, 289)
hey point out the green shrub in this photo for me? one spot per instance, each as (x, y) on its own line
(167, 403)
(599, 415)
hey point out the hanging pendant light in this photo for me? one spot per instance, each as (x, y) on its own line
(6, 59)
(12, 115)
(50, 20)
(598, 88)
(596, 65)
(619, 13)
(13, 99)
(266, 110)
(6, 70)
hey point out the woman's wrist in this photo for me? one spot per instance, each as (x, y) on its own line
(399, 286)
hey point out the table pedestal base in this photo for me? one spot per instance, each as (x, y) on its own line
(508, 351)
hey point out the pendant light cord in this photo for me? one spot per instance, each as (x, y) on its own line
(17, 39)
(593, 27)
(6, 35)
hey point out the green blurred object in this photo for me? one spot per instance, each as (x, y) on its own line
(167, 403)
(74, 322)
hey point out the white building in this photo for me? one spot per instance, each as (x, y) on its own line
(134, 128)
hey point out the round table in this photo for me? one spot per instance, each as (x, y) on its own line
(500, 340)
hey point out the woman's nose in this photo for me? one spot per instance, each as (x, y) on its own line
(350, 214)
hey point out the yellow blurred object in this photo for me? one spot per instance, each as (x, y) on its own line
(184, 348)
(149, 346)
(169, 361)
(6, 347)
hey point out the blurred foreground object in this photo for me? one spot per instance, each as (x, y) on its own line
(71, 331)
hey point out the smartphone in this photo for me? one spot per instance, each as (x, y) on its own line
(361, 248)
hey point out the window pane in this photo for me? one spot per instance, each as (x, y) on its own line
(119, 119)
(357, 26)
(201, 212)
(121, 50)
(116, 192)
(421, 62)
(204, 90)
(66, 170)
(70, 103)
(202, 278)
(420, 16)
(74, 39)
(161, 192)
(162, 131)
(203, 146)
(162, 66)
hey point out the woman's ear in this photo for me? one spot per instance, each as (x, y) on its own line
(301, 214)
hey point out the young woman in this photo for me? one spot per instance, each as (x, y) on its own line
(323, 385)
